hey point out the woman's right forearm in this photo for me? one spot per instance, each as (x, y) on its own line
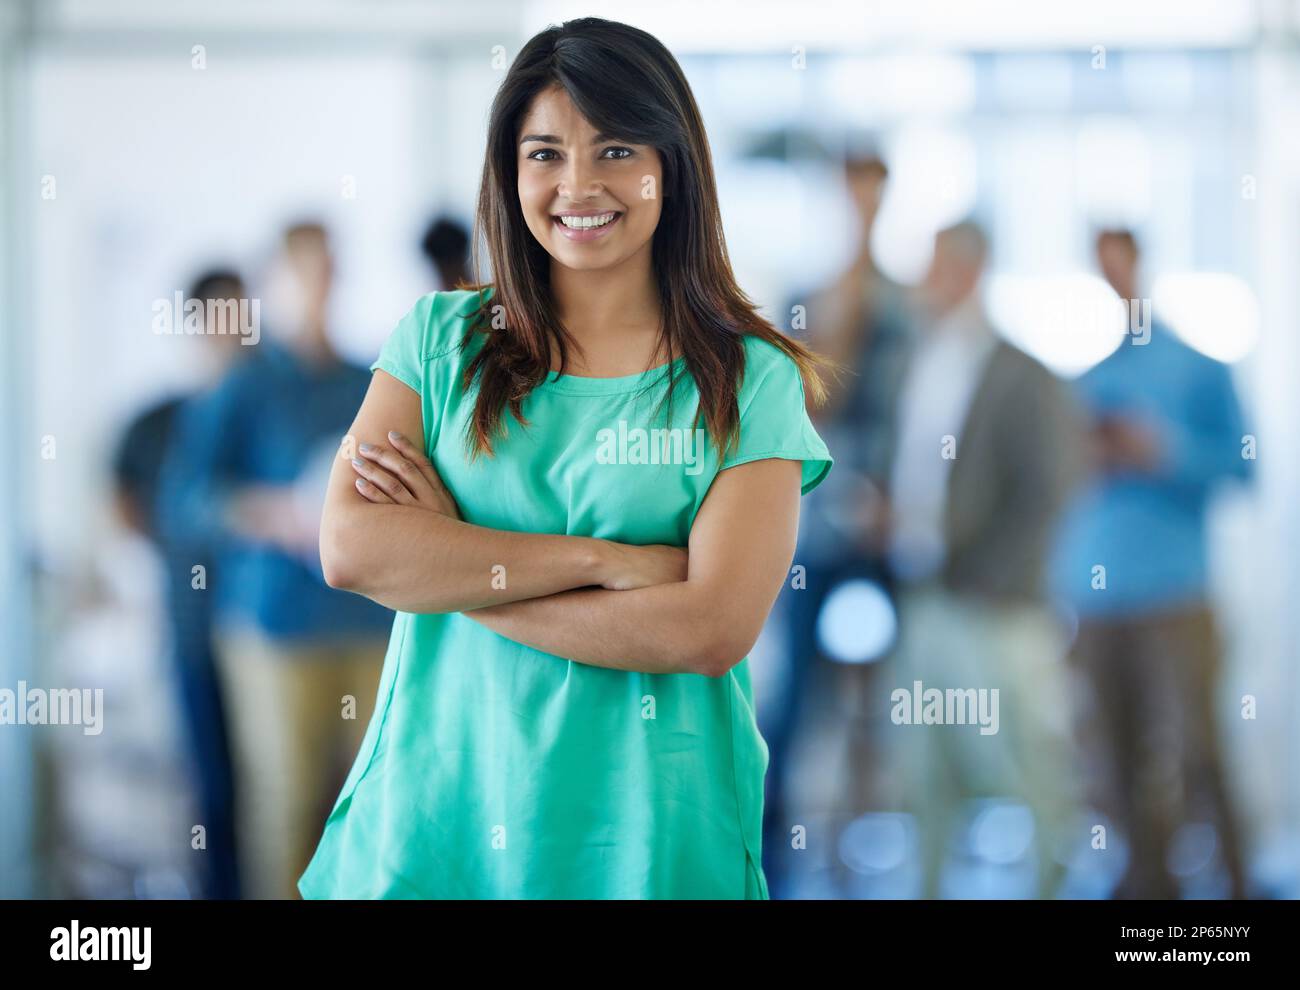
(413, 560)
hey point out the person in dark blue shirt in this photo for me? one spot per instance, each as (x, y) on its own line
(861, 320)
(139, 461)
(299, 661)
(1131, 563)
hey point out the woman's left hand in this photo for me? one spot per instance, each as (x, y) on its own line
(401, 475)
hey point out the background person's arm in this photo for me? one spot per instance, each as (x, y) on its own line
(202, 470)
(741, 546)
(1205, 444)
(205, 487)
(410, 559)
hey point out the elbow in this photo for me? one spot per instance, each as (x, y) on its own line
(335, 575)
(721, 652)
(351, 561)
(337, 557)
(721, 632)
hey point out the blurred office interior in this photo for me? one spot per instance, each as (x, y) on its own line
(145, 142)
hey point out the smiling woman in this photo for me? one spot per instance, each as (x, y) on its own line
(598, 182)
(566, 709)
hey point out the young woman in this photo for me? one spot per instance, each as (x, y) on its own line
(578, 486)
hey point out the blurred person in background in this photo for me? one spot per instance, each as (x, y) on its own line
(146, 444)
(1166, 427)
(299, 661)
(986, 454)
(445, 245)
(860, 321)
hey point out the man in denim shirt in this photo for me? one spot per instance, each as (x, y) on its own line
(299, 661)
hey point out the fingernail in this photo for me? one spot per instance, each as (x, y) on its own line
(357, 463)
(394, 435)
(366, 447)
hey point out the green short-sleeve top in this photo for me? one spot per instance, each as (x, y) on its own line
(494, 770)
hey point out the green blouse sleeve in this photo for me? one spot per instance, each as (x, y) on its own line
(774, 421)
(410, 345)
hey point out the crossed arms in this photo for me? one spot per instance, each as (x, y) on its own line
(392, 532)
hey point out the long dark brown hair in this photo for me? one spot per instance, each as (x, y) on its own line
(627, 84)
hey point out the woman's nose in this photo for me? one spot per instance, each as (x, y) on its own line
(577, 183)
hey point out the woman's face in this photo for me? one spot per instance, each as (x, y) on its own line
(608, 188)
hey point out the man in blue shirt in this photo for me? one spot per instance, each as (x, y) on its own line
(1131, 563)
(299, 661)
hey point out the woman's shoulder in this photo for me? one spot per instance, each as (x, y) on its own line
(430, 332)
(444, 316)
(768, 365)
(761, 352)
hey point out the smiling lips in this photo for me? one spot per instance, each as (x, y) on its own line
(586, 226)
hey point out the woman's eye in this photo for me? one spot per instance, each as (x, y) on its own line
(611, 154)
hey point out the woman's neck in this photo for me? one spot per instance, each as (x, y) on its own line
(614, 315)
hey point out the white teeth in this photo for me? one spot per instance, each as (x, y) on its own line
(582, 223)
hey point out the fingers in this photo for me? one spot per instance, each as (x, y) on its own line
(372, 493)
(394, 467)
(417, 457)
(375, 480)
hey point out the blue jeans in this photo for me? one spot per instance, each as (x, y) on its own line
(204, 724)
(802, 652)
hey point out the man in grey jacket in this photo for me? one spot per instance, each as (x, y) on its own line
(987, 452)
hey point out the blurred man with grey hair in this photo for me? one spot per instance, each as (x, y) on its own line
(987, 449)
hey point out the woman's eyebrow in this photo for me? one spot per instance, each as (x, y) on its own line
(553, 139)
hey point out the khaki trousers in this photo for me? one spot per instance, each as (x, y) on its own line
(297, 713)
(949, 640)
(1150, 731)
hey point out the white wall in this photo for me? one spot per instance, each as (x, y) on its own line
(160, 169)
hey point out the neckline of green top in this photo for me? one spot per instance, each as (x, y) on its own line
(579, 385)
